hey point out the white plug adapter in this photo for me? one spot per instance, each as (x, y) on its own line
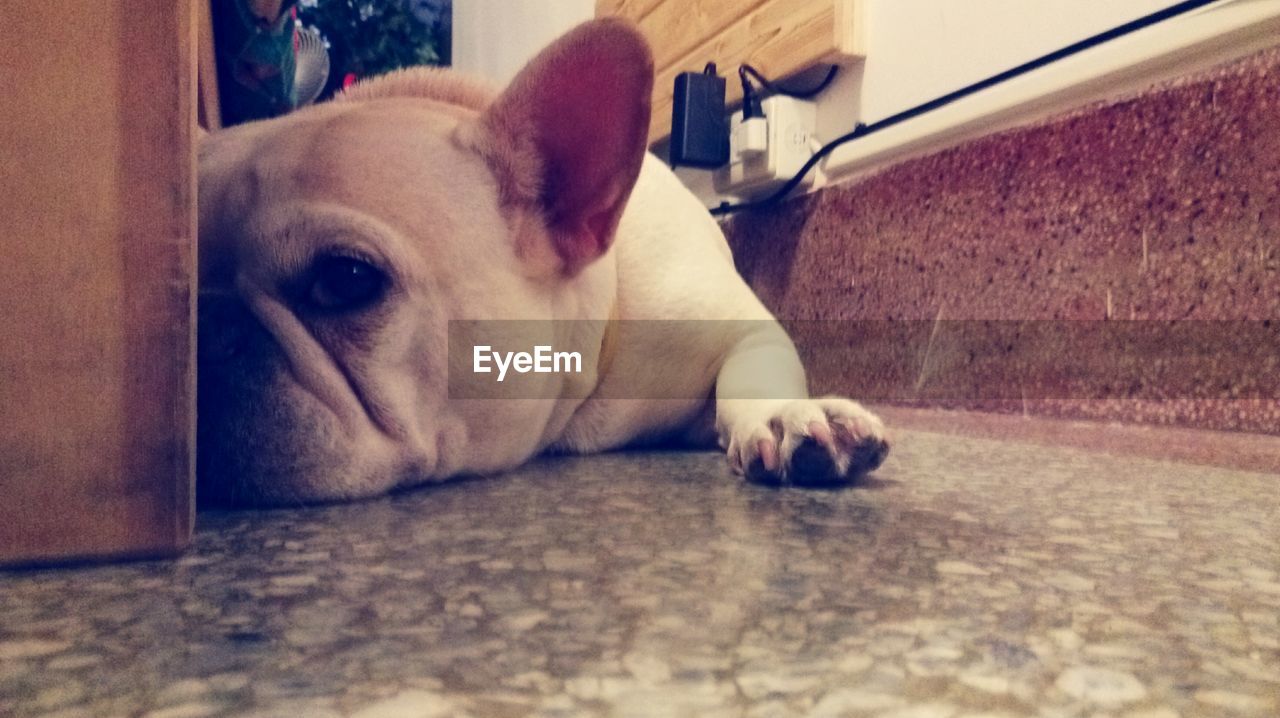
(788, 132)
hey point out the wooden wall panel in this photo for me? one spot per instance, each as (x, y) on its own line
(676, 29)
(778, 37)
(210, 106)
(97, 227)
(634, 10)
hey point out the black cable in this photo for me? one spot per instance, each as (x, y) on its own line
(862, 130)
(750, 98)
(744, 70)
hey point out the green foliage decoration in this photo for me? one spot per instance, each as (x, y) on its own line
(368, 37)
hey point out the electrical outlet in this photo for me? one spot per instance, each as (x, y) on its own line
(788, 139)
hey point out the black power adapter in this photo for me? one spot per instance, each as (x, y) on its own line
(699, 126)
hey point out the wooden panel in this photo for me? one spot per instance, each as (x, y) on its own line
(210, 108)
(683, 27)
(778, 37)
(97, 296)
(633, 10)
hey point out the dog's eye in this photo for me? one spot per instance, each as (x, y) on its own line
(345, 283)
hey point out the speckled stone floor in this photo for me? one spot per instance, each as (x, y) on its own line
(972, 577)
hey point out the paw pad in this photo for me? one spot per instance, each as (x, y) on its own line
(811, 443)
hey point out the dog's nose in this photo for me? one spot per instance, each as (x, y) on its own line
(224, 328)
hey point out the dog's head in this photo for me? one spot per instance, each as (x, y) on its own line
(336, 243)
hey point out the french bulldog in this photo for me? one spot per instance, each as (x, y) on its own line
(338, 244)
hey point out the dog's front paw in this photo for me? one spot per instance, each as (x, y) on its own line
(810, 442)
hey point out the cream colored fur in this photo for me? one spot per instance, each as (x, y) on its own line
(452, 189)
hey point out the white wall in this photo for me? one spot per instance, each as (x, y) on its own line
(495, 38)
(918, 50)
(921, 49)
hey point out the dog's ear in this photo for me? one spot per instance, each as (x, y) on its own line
(567, 137)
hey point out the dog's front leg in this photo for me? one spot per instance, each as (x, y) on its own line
(773, 432)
